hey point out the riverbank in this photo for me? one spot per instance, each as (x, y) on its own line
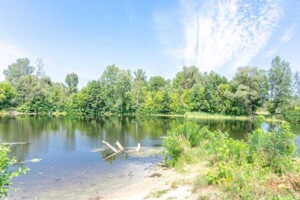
(188, 115)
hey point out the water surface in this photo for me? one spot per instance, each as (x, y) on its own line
(70, 164)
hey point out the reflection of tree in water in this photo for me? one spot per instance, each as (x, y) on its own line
(43, 133)
(105, 155)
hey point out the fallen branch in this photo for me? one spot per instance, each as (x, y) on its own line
(138, 147)
(119, 145)
(111, 147)
(13, 143)
(111, 155)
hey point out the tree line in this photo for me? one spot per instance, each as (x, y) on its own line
(118, 91)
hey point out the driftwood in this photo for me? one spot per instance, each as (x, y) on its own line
(132, 150)
(138, 148)
(111, 147)
(119, 145)
(13, 143)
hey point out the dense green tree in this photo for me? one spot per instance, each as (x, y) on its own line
(156, 83)
(187, 78)
(280, 80)
(138, 90)
(72, 82)
(212, 100)
(33, 94)
(7, 93)
(58, 96)
(77, 104)
(17, 70)
(108, 81)
(251, 88)
(95, 102)
(122, 92)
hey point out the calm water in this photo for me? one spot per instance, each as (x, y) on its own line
(67, 149)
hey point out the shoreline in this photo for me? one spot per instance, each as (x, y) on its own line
(189, 115)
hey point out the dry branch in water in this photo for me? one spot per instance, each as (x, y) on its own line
(121, 149)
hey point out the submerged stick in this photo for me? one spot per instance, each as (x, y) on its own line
(111, 155)
(13, 143)
(111, 147)
(138, 147)
(119, 145)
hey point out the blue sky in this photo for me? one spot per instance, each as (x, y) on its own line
(158, 36)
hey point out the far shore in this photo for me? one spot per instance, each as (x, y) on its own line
(189, 115)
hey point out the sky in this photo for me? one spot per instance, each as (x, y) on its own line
(160, 37)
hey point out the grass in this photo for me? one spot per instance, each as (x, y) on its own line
(165, 115)
(202, 115)
(157, 194)
(3, 113)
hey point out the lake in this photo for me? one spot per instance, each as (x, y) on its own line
(71, 165)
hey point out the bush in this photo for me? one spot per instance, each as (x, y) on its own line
(7, 175)
(244, 169)
(182, 138)
(277, 147)
(292, 115)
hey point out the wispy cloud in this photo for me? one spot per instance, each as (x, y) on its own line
(288, 34)
(221, 35)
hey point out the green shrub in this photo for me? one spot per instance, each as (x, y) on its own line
(181, 139)
(292, 115)
(242, 169)
(276, 147)
(175, 146)
(7, 175)
(189, 131)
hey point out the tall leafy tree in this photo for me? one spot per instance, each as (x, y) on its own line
(138, 88)
(212, 100)
(72, 82)
(18, 69)
(108, 80)
(122, 92)
(280, 81)
(187, 78)
(95, 101)
(251, 87)
(7, 93)
(156, 83)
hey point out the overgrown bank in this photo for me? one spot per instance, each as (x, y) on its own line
(264, 166)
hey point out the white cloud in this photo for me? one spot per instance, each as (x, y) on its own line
(224, 34)
(287, 35)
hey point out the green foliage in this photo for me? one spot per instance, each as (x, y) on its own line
(242, 169)
(6, 175)
(250, 87)
(121, 92)
(16, 70)
(280, 80)
(277, 148)
(7, 93)
(180, 139)
(72, 82)
(156, 83)
(292, 115)
(187, 78)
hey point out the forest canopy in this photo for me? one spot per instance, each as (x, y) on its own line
(117, 91)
